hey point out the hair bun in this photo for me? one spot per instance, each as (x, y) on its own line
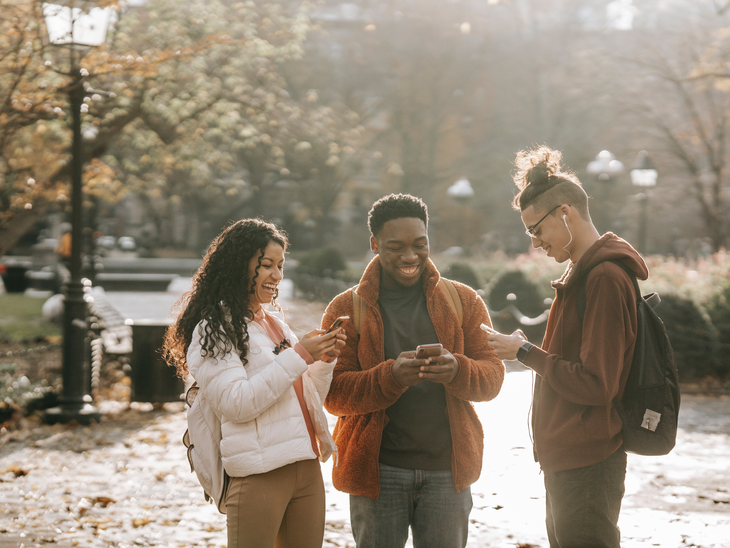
(537, 166)
(539, 174)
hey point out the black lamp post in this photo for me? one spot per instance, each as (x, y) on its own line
(606, 168)
(462, 193)
(643, 175)
(78, 30)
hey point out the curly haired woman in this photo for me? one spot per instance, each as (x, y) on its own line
(266, 387)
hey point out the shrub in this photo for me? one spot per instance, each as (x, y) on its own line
(693, 337)
(527, 300)
(325, 261)
(464, 273)
(719, 311)
(527, 296)
(20, 396)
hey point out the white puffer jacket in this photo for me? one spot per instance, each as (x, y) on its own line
(262, 424)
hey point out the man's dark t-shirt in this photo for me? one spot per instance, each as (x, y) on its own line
(417, 435)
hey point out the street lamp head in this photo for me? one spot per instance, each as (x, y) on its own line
(605, 166)
(461, 191)
(68, 25)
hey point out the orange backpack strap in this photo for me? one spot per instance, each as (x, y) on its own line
(360, 307)
(449, 291)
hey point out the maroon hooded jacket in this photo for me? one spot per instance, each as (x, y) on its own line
(581, 367)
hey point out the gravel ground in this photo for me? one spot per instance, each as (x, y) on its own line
(126, 482)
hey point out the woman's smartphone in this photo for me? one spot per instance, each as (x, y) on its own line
(339, 322)
(485, 327)
(428, 350)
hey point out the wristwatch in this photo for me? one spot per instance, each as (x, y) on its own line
(522, 352)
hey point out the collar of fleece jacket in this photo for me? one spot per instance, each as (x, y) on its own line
(369, 288)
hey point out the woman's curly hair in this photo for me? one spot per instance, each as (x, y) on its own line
(540, 177)
(221, 294)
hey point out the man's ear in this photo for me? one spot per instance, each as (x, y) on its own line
(374, 245)
(565, 209)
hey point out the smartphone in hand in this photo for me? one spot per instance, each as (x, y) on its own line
(339, 322)
(490, 330)
(428, 350)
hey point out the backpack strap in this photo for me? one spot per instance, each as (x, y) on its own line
(581, 304)
(449, 290)
(359, 310)
(360, 307)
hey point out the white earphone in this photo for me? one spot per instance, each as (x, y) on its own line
(571, 235)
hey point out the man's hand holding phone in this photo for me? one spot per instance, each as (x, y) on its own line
(505, 346)
(427, 363)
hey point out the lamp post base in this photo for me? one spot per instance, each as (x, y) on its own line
(83, 414)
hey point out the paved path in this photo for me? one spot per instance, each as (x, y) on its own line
(126, 482)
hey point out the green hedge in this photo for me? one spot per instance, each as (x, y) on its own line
(326, 261)
(527, 299)
(693, 337)
(718, 309)
(464, 273)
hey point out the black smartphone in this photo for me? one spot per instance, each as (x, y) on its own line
(428, 350)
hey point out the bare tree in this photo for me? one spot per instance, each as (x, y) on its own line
(674, 84)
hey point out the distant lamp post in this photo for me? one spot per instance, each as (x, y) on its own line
(605, 166)
(77, 30)
(462, 193)
(643, 175)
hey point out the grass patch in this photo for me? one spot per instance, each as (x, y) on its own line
(21, 319)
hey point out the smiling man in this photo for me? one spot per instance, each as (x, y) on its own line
(409, 441)
(583, 363)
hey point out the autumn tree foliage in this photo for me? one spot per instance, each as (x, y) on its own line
(32, 142)
(223, 135)
(187, 108)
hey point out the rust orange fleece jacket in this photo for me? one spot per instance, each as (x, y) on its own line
(363, 385)
(581, 367)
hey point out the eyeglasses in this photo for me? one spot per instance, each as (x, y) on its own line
(531, 230)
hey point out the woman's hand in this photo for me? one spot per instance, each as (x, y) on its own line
(340, 342)
(317, 343)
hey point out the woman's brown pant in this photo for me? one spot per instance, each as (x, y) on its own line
(283, 508)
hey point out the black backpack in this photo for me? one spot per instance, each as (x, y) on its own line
(649, 408)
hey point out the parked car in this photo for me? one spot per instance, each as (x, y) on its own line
(106, 242)
(126, 243)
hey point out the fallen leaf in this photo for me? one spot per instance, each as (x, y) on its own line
(15, 470)
(103, 501)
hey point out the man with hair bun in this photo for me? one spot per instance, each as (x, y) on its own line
(582, 365)
(409, 441)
